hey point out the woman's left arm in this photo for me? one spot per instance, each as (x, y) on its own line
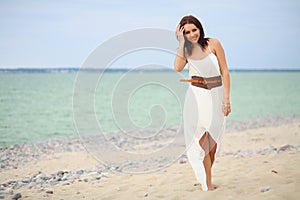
(219, 52)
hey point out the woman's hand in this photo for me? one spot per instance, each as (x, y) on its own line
(180, 59)
(226, 109)
(179, 33)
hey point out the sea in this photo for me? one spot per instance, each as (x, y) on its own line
(40, 104)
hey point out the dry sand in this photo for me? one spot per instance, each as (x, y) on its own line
(249, 168)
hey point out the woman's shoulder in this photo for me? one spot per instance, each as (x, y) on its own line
(214, 44)
(213, 41)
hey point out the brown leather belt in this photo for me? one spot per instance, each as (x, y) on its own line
(206, 83)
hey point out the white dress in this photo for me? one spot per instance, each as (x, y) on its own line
(202, 113)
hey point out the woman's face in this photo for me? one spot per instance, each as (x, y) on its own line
(191, 32)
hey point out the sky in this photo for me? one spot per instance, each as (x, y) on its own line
(47, 33)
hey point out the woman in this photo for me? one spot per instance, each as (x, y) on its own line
(207, 100)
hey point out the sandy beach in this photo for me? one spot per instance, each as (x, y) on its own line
(255, 163)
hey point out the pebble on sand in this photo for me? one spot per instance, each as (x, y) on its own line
(49, 192)
(265, 189)
(16, 196)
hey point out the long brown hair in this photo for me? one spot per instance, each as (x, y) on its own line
(203, 42)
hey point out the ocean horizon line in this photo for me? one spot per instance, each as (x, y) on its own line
(77, 69)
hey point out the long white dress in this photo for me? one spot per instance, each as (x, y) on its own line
(202, 113)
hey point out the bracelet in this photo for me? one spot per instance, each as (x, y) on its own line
(226, 104)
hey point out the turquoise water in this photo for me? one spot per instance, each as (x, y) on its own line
(37, 106)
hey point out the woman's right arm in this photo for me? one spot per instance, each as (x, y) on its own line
(180, 60)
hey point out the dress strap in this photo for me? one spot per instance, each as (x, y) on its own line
(209, 49)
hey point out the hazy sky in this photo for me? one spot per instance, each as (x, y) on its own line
(48, 33)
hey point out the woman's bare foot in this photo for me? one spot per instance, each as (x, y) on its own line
(213, 187)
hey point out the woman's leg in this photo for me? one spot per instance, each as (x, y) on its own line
(209, 146)
(212, 149)
(204, 143)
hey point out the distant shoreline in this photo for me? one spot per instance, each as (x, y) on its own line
(75, 70)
